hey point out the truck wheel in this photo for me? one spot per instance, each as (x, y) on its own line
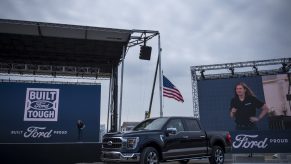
(149, 156)
(217, 155)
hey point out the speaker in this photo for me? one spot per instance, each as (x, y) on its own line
(280, 122)
(145, 52)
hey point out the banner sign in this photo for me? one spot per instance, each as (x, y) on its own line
(215, 100)
(49, 113)
(256, 109)
(41, 104)
(261, 141)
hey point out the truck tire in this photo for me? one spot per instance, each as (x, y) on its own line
(217, 155)
(149, 155)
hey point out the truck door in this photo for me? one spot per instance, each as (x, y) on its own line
(174, 143)
(196, 143)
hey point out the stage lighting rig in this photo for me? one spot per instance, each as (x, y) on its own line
(140, 37)
(202, 74)
(145, 51)
(284, 68)
(231, 70)
(256, 70)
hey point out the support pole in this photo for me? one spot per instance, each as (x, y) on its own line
(114, 99)
(160, 74)
(121, 88)
(153, 89)
(109, 103)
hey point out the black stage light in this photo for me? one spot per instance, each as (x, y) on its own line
(232, 70)
(256, 70)
(54, 74)
(284, 68)
(145, 53)
(202, 74)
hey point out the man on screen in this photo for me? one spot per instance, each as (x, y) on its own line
(243, 108)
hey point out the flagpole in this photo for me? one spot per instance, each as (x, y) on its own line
(160, 76)
(163, 90)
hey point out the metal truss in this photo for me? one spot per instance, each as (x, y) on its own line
(137, 37)
(141, 37)
(26, 78)
(285, 66)
(54, 71)
(195, 95)
(242, 64)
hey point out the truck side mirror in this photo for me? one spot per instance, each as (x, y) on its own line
(171, 131)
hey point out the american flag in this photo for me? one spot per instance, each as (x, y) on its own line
(170, 91)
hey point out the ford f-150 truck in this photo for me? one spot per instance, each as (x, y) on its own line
(161, 139)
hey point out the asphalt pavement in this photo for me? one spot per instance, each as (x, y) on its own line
(239, 159)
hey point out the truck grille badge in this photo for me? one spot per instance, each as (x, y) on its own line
(109, 143)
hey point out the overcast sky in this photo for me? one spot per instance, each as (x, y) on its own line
(193, 32)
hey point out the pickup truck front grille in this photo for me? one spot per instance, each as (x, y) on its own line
(112, 143)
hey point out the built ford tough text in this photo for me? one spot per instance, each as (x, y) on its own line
(166, 139)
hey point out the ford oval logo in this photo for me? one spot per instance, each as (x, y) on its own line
(109, 143)
(41, 105)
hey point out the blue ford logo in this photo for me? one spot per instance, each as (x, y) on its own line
(41, 105)
(109, 143)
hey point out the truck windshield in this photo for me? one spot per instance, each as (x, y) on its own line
(151, 124)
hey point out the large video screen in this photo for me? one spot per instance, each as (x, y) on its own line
(251, 108)
(49, 113)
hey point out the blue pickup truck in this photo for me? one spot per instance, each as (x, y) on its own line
(162, 139)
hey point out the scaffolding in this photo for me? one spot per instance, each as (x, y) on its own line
(233, 70)
(58, 52)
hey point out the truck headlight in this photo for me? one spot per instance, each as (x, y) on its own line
(131, 142)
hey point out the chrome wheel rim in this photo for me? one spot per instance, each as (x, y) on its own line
(219, 157)
(152, 158)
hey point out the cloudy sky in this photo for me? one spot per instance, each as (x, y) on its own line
(193, 32)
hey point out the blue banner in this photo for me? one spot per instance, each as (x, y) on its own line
(215, 99)
(261, 141)
(49, 113)
(254, 109)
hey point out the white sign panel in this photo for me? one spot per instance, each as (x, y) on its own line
(41, 104)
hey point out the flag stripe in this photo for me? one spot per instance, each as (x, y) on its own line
(167, 95)
(170, 91)
(174, 97)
